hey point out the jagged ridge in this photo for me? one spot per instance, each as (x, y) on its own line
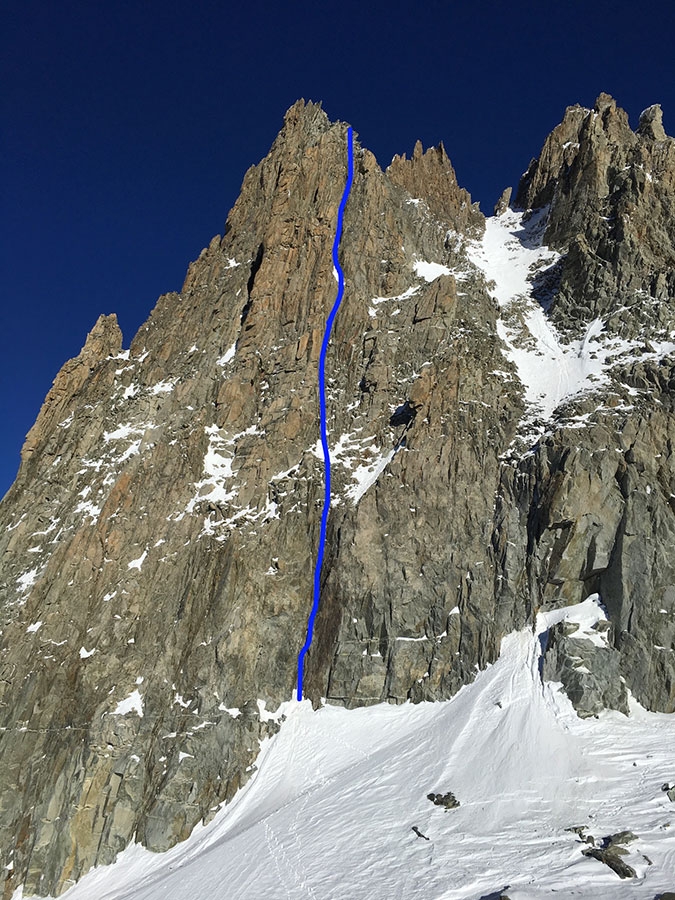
(158, 542)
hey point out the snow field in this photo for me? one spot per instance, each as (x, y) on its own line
(329, 814)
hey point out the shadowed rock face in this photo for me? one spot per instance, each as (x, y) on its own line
(158, 544)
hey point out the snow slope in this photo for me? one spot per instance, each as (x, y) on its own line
(331, 810)
(552, 370)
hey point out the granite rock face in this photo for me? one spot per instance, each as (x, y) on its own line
(589, 673)
(159, 541)
(611, 193)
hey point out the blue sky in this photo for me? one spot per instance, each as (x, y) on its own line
(127, 128)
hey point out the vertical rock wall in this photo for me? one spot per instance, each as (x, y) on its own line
(158, 544)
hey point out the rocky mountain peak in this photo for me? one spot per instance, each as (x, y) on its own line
(103, 341)
(651, 123)
(158, 545)
(609, 194)
(430, 175)
(605, 104)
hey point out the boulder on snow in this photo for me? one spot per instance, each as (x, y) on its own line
(449, 801)
(590, 674)
(612, 859)
(611, 851)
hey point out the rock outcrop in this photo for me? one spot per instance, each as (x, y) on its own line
(611, 193)
(589, 673)
(158, 543)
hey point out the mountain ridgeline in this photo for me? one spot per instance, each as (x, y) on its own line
(497, 448)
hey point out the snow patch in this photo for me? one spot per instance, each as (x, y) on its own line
(510, 253)
(430, 271)
(228, 356)
(268, 716)
(376, 301)
(88, 508)
(26, 581)
(365, 476)
(163, 387)
(137, 563)
(585, 615)
(121, 433)
(132, 703)
(217, 469)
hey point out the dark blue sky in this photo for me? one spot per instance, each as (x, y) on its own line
(127, 128)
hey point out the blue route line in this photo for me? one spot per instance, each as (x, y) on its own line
(322, 402)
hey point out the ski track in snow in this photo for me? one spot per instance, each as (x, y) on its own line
(329, 813)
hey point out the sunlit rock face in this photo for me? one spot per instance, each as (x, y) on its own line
(500, 415)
